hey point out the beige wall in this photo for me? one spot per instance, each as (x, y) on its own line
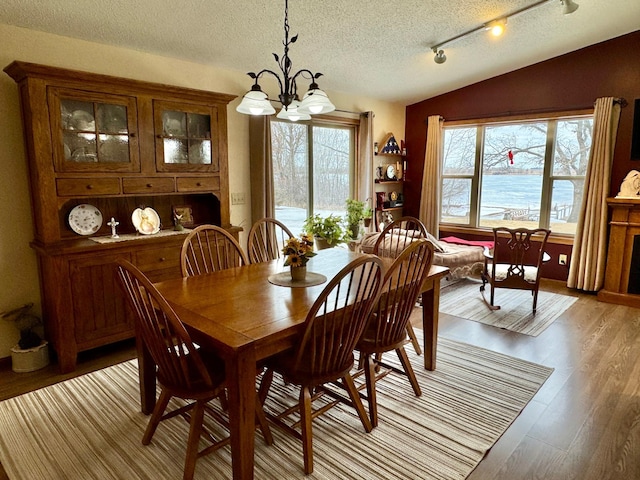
(18, 268)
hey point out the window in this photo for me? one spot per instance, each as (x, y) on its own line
(313, 170)
(526, 174)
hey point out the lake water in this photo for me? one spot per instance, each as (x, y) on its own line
(515, 191)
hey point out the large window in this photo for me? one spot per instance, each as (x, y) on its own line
(525, 174)
(313, 167)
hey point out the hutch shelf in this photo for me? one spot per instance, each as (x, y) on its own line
(115, 144)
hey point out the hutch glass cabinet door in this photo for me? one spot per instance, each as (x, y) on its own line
(95, 132)
(186, 137)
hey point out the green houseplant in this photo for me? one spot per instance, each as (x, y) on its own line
(355, 214)
(327, 231)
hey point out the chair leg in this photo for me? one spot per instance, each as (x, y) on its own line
(535, 300)
(357, 402)
(262, 422)
(156, 417)
(408, 370)
(307, 433)
(265, 385)
(414, 339)
(195, 431)
(370, 380)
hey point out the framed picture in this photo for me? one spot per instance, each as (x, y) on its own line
(184, 214)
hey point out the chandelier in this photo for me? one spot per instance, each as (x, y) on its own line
(315, 101)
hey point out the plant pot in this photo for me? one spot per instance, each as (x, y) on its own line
(367, 222)
(298, 274)
(354, 230)
(30, 359)
(321, 243)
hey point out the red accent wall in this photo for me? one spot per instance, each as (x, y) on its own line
(571, 81)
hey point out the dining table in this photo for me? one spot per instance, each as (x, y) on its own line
(245, 317)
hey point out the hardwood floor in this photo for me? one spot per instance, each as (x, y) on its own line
(583, 424)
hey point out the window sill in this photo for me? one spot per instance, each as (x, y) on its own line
(554, 238)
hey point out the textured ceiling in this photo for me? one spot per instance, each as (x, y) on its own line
(377, 48)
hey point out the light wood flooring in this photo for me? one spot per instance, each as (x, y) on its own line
(583, 424)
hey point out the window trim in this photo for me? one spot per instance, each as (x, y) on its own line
(328, 121)
(476, 177)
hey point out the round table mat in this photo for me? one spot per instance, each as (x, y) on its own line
(284, 279)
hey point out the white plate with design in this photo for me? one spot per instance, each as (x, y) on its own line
(146, 221)
(85, 219)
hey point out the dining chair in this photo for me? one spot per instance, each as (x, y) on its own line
(266, 239)
(209, 248)
(324, 349)
(515, 261)
(184, 371)
(393, 239)
(387, 327)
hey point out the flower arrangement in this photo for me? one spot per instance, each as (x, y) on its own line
(298, 251)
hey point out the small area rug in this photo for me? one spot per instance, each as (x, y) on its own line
(90, 427)
(464, 299)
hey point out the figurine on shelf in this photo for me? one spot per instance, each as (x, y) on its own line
(113, 224)
(178, 222)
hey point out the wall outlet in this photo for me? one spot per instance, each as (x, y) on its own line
(238, 198)
(562, 259)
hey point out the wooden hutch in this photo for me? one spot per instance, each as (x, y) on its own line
(116, 145)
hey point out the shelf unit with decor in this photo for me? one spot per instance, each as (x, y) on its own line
(114, 145)
(389, 180)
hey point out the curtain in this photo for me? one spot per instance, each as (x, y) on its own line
(431, 177)
(588, 259)
(261, 168)
(364, 160)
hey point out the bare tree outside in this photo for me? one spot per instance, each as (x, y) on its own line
(329, 163)
(511, 182)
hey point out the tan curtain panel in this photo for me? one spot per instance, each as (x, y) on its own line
(588, 259)
(261, 171)
(431, 177)
(364, 159)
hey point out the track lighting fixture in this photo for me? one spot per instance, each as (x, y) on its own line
(568, 6)
(497, 26)
(440, 57)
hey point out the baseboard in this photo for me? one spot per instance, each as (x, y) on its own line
(5, 363)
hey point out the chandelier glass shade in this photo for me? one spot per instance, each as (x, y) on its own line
(315, 101)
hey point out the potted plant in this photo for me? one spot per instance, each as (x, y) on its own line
(355, 214)
(31, 353)
(367, 216)
(327, 231)
(297, 252)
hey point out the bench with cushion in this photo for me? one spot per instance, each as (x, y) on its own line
(463, 260)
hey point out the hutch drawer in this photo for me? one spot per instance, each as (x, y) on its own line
(77, 187)
(148, 185)
(198, 184)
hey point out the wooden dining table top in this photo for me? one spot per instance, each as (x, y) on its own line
(234, 308)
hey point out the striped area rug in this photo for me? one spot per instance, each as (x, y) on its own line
(90, 427)
(463, 299)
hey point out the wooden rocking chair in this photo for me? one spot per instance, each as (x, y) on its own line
(515, 261)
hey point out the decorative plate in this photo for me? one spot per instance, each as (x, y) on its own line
(85, 219)
(146, 221)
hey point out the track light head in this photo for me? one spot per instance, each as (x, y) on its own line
(496, 27)
(440, 57)
(568, 6)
